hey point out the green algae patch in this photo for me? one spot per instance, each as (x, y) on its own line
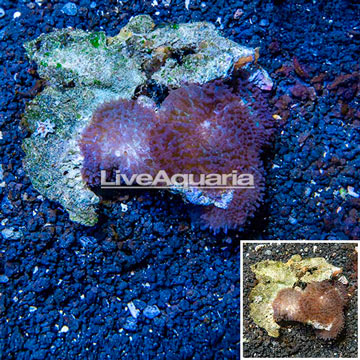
(273, 276)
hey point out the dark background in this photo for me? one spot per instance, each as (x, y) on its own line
(83, 278)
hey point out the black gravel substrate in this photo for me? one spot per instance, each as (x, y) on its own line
(64, 288)
(297, 340)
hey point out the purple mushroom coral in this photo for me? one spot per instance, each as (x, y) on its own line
(211, 129)
(117, 138)
(198, 129)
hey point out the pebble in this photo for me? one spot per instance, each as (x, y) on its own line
(264, 23)
(64, 329)
(69, 9)
(133, 310)
(343, 280)
(11, 234)
(211, 274)
(151, 311)
(87, 241)
(130, 324)
(258, 247)
(238, 13)
(268, 252)
(351, 192)
(2, 12)
(3, 279)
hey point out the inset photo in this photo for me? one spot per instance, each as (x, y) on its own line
(299, 299)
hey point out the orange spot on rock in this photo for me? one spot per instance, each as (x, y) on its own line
(299, 69)
(243, 61)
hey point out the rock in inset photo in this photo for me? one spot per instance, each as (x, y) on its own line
(299, 299)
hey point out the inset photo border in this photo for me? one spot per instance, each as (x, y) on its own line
(300, 292)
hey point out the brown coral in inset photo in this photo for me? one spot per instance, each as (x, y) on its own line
(321, 305)
(287, 306)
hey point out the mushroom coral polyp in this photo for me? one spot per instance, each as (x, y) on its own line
(117, 138)
(198, 129)
(320, 305)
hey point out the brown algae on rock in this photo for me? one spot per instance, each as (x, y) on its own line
(273, 276)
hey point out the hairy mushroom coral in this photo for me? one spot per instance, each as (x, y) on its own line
(199, 129)
(287, 305)
(117, 139)
(213, 129)
(321, 305)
